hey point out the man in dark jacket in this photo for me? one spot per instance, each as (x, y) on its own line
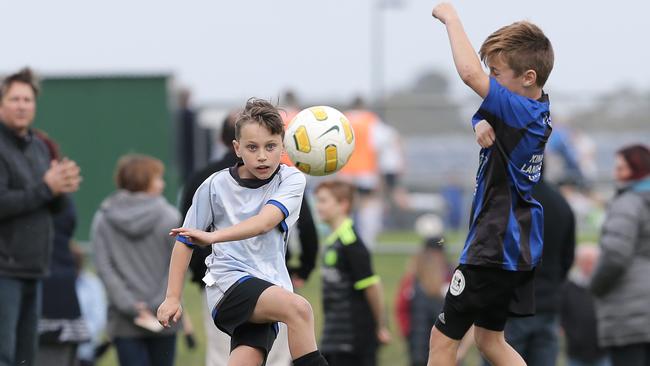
(217, 346)
(30, 190)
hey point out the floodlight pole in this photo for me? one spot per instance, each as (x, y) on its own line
(377, 54)
(377, 39)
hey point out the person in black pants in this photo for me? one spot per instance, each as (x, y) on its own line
(61, 327)
(578, 312)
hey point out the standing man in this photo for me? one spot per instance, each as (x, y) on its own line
(30, 190)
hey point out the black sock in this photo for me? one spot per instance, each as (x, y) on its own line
(311, 359)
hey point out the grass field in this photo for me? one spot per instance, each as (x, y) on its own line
(388, 263)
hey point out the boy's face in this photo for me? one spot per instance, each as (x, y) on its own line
(328, 207)
(500, 70)
(259, 149)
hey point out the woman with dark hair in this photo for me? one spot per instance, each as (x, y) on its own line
(61, 327)
(620, 281)
(132, 251)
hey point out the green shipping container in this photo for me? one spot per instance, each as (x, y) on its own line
(95, 120)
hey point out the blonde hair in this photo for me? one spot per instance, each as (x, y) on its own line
(524, 47)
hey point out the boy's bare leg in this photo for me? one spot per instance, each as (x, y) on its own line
(278, 304)
(495, 349)
(442, 349)
(245, 356)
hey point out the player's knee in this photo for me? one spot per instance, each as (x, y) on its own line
(300, 309)
(488, 341)
(438, 342)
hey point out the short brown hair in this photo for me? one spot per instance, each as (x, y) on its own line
(262, 112)
(524, 47)
(135, 172)
(25, 75)
(342, 191)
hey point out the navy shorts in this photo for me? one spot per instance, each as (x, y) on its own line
(233, 312)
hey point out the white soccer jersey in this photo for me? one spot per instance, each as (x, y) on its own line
(224, 200)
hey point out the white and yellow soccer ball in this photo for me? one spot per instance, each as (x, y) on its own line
(319, 140)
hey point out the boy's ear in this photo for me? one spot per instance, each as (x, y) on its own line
(235, 144)
(530, 78)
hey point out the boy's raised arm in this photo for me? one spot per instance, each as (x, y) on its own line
(466, 60)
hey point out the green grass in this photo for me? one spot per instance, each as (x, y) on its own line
(389, 266)
(389, 263)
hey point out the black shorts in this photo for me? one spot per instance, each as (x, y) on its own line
(233, 311)
(485, 297)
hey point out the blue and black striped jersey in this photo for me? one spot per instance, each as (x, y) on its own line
(506, 223)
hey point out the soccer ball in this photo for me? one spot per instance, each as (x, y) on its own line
(319, 140)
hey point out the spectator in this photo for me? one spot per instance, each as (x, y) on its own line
(562, 144)
(186, 128)
(354, 322)
(372, 139)
(421, 297)
(31, 189)
(620, 282)
(61, 327)
(578, 313)
(132, 251)
(92, 301)
(453, 192)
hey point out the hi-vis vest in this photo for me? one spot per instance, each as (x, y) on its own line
(287, 115)
(363, 161)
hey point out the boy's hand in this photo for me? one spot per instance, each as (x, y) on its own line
(484, 134)
(170, 310)
(444, 12)
(195, 236)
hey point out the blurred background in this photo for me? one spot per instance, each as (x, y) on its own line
(159, 77)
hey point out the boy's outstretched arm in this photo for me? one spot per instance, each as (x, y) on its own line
(171, 310)
(466, 60)
(269, 218)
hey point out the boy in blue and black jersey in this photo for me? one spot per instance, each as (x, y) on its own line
(353, 305)
(494, 279)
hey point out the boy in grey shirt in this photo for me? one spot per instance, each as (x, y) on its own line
(245, 213)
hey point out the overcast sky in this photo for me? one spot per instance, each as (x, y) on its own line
(233, 49)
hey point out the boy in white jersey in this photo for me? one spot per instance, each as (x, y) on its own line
(245, 213)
